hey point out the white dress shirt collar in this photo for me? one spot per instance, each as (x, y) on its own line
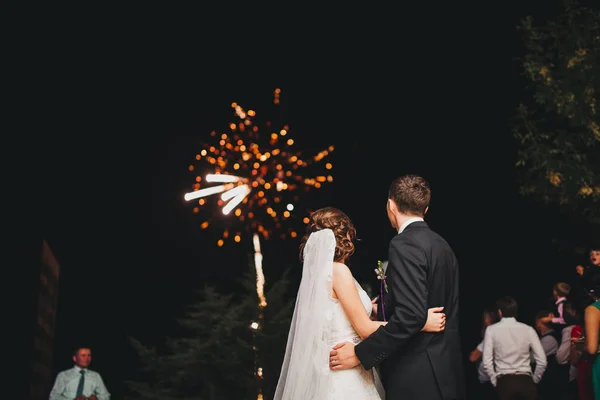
(408, 222)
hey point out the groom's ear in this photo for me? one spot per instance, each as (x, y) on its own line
(426, 209)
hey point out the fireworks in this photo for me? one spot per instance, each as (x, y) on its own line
(258, 175)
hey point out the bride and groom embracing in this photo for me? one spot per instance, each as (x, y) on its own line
(338, 349)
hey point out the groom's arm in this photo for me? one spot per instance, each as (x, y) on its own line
(407, 282)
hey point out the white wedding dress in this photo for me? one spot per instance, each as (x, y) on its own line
(356, 383)
(319, 323)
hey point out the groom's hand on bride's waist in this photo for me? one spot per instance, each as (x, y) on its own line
(342, 356)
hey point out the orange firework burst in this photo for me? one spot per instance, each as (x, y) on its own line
(258, 175)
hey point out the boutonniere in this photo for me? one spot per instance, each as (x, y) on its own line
(380, 271)
(381, 275)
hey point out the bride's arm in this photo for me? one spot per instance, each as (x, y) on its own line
(346, 292)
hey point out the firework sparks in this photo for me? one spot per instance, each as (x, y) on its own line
(258, 175)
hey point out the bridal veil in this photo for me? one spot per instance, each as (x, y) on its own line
(305, 372)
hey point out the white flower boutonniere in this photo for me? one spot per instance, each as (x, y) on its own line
(381, 275)
(380, 271)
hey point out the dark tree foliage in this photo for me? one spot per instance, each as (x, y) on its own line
(216, 353)
(559, 128)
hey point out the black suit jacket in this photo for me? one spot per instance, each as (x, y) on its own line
(422, 273)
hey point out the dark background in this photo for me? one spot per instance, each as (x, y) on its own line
(126, 103)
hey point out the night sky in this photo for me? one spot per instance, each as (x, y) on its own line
(433, 98)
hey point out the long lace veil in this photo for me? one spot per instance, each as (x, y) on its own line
(305, 373)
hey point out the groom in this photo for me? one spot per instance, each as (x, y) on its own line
(422, 273)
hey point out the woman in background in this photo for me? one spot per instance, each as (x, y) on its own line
(580, 355)
(592, 326)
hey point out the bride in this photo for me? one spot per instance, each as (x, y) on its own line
(331, 307)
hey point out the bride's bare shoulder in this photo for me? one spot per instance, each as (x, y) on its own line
(341, 269)
(342, 279)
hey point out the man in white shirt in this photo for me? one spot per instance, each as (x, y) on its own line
(508, 347)
(79, 382)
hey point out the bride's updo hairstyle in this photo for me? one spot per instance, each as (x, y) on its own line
(340, 224)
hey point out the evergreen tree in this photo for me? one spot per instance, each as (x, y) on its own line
(559, 129)
(216, 352)
(271, 338)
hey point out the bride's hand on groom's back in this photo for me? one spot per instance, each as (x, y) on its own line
(436, 320)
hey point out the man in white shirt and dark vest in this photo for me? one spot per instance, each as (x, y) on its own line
(508, 347)
(79, 382)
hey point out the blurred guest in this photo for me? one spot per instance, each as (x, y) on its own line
(508, 346)
(581, 360)
(594, 255)
(486, 389)
(79, 382)
(567, 373)
(549, 384)
(560, 292)
(587, 269)
(547, 335)
(592, 326)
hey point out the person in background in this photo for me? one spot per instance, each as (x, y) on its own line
(594, 255)
(585, 271)
(79, 382)
(486, 389)
(549, 384)
(560, 292)
(592, 261)
(508, 347)
(547, 334)
(567, 373)
(580, 359)
(592, 326)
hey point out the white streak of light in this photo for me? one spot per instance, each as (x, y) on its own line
(234, 192)
(233, 203)
(206, 192)
(240, 112)
(223, 178)
(260, 277)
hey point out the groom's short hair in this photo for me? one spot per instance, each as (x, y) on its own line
(411, 193)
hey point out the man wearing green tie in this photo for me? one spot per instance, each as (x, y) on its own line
(79, 382)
